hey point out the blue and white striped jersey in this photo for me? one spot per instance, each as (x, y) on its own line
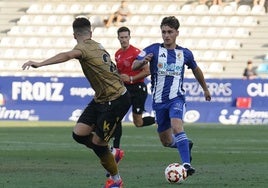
(167, 70)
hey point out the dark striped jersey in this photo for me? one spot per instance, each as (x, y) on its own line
(100, 71)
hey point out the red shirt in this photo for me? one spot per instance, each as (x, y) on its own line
(124, 60)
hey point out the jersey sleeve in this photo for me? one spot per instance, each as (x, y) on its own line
(190, 61)
(145, 51)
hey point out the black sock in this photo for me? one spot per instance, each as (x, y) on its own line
(148, 121)
(117, 135)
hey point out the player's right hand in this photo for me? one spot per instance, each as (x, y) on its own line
(29, 64)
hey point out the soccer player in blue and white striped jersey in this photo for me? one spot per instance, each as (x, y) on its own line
(167, 63)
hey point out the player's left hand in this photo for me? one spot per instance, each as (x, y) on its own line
(207, 95)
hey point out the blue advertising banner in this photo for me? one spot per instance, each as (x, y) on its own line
(234, 101)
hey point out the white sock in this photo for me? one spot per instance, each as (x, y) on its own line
(116, 177)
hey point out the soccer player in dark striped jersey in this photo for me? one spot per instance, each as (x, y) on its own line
(167, 62)
(98, 121)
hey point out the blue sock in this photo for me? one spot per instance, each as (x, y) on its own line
(183, 147)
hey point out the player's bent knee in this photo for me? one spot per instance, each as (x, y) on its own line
(80, 139)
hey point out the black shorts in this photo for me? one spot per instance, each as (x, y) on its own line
(106, 115)
(138, 95)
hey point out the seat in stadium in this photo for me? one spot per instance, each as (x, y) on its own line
(144, 8)
(88, 8)
(173, 8)
(235, 21)
(198, 31)
(187, 9)
(224, 55)
(65, 19)
(216, 67)
(218, 44)
(34, 30)
(144, 30)
(189, 43)
(185, 31)
(47, 42)
(209, 55)
(61, 8)
(154, 31)
(215, 10)
(19, 42)
(192, 20)
(258, 10)
(201, 9)
(243, 10)
(25, 19)
(23, 53)
(250, 21)
(8, 53)
(220, 20)
(35, 8)
(48, 8)
(203, 44)
(37, 53)
(229, 10)
(232, 44)
(53, 20)
(241, 32)
(212, 31)
(263, 68)
(157, 9)
(75, 8)
(227, 32)
(33, 42)
(151, 19)
(206, 20)
(203, 66)
(135, 20)
(102, 8)
(7, 41)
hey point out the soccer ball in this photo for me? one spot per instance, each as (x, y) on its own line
(175, 173)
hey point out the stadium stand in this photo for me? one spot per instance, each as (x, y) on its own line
(222, 38)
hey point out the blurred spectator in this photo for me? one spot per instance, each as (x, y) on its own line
(250, 71)
(211, 2)
(119, 16)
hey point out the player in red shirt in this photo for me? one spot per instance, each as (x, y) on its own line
(133, 80)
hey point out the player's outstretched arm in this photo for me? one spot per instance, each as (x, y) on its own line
(59, 58)
(201, 80)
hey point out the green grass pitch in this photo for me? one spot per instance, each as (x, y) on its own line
(44, 155)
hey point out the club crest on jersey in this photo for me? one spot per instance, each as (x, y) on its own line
(180, 55)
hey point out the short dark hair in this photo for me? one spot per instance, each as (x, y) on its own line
(81, 25)
(123, 29)
(170, 21)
